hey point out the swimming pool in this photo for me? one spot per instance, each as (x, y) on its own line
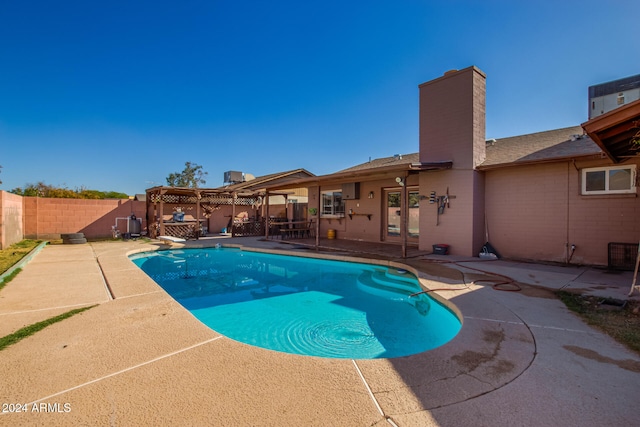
(303, 305)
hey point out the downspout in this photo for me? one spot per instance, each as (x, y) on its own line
(569, 250)
(566, 242)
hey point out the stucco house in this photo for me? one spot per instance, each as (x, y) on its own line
(555, 196)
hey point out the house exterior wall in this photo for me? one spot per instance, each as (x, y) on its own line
(537, 212)
(359, 226)
(456, 226)
(452, 128)
(49, 218)
(11, 219)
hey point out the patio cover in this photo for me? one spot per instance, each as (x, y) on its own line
(401, 170)
(196, 197)
(614, 131)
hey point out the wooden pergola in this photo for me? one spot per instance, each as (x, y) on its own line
(204, 200)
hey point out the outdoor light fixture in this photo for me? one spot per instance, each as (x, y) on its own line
(399, 181)
(371, 194)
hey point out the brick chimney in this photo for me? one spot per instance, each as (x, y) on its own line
(452, 128)
(452, 118)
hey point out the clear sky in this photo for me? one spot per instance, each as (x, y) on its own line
(117, 95)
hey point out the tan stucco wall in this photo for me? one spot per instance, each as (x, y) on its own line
(452, 128)
(537, 212)
(457, 226)
(11, 219)
(360, 227)
(452, 119)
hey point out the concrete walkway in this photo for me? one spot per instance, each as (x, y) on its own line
(139, 358)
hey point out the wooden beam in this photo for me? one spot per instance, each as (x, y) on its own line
(267, 220)
(404, 211)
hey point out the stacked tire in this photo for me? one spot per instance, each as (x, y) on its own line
(73, 238)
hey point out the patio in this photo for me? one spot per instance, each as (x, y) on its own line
(139, 358)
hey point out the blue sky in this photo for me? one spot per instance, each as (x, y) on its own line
(117, 95)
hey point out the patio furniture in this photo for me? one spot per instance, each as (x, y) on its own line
(296, 229)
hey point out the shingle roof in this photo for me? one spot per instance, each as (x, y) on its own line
(541, 146)
(259, 181)
(399, 159)
(534, 147)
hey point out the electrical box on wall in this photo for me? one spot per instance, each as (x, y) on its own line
(351, 191)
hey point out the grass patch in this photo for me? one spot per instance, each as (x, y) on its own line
(10, 277)
(14, 253)
(618, 319)
(32, 329)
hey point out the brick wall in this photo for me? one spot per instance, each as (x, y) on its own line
(49, 218)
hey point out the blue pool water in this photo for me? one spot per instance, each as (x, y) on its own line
(303, 305)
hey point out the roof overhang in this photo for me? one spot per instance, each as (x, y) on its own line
(204, 192)
(613, 132)
(370, 174)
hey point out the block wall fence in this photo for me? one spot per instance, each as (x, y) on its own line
(43, 218)
(11, 223)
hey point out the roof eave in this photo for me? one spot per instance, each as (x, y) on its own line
(601, 129)
(538, 162)
(364, 174)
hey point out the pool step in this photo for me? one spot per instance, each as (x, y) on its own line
(390, 277)
(380, 284)
(400, 274)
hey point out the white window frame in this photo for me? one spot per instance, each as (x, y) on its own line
(606, 170)
(335, 209)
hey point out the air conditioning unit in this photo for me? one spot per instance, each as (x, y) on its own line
(233, 177)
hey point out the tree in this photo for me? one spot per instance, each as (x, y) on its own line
(44, 190)
(191, 176)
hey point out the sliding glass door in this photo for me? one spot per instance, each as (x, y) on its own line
(393, 215)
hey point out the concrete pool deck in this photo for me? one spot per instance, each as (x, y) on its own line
(139, 358)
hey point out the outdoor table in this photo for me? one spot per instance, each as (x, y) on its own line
(291, 229)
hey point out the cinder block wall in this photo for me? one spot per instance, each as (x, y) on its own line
(11, 224)
(49, 218)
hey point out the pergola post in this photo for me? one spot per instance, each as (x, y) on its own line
(233, 212)
(318, 199)
(266, 216)
(404, 211)
(161, 214)
(197, 229)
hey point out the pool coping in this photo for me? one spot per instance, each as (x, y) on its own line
(141, 359)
